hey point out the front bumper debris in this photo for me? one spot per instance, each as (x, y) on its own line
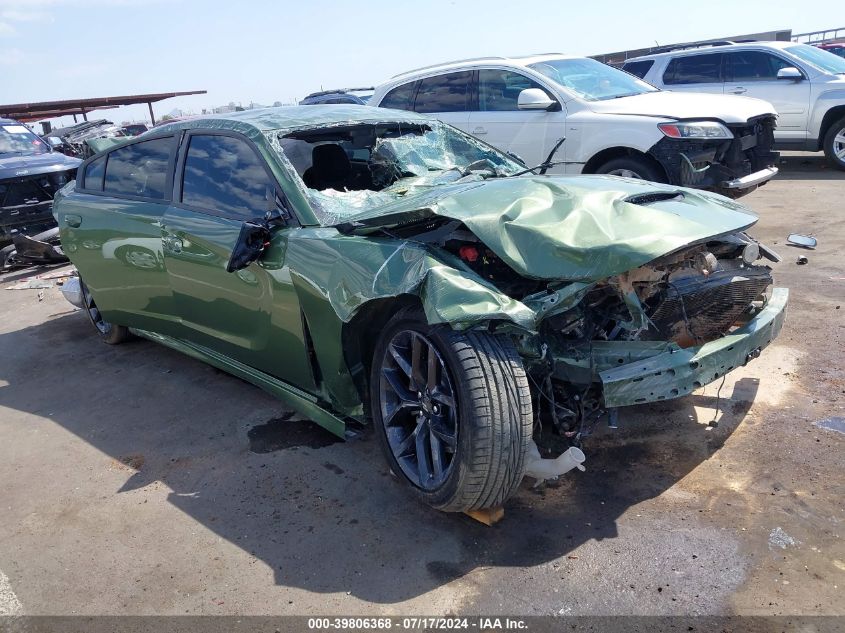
(677, 372)
(751, 180)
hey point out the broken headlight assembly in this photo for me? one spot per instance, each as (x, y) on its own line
(695, 130)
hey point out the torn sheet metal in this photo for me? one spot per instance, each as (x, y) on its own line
(375, 269)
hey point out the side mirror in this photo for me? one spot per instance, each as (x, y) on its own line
(535, 99)
(804, 241)
(790, 73)
(252, 240)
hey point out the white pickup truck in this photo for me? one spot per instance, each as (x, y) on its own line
(805, 84)
(612, 122)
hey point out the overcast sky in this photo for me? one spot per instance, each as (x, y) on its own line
(266, 51)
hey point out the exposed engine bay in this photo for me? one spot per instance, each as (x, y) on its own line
(687, 298)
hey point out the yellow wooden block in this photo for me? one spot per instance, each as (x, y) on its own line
(487, 516)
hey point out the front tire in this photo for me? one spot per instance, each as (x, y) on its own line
(452, 412)
(834, 144)
(109, 332)
(632, 167)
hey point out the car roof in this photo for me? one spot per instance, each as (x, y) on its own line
(323, 97)
(698, 50)
(523, 60)
(8, 121)
(284, 118)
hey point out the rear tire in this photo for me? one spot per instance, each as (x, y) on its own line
(109, 332)
(834, 144)
(464, 405)
(633, 167)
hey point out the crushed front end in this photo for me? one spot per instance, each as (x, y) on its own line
(653, 333)
(732, 166)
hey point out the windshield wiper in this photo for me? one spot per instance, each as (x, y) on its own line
(546, 164)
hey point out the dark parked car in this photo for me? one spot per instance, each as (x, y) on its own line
(358, 96)
(30, 175)
(369, 264)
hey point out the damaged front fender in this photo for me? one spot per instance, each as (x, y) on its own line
(337, 276)
(350, 271)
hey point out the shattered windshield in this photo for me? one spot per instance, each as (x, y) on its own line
(592, 80)
(349, 169)
(17, 139)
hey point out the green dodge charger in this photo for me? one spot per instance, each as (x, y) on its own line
(370, 265)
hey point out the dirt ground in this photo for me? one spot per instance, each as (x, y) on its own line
(136, 480)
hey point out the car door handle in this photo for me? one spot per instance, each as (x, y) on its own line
(479, 131)
(73, 220)
(738, 90)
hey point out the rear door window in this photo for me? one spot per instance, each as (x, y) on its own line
(444, 93)
(694, 69)
(498, 90)
(225, 176)
(140, 170)
(638, 69)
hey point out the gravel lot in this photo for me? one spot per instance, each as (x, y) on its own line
(136, 480)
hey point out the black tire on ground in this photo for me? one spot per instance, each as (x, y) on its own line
(834, 144)
(633, 167)
(480, 431)
(109, 332)
(7, 256)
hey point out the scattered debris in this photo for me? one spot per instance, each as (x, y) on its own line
(59, 274)
(32, 284)
(779, 538)
(802, 241)
(834, 423)
(802, 260)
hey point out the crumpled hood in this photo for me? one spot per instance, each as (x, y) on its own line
(572, 228)
(16, 166)
(686, 105)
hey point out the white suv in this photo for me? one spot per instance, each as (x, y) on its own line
(612, 122)
(805, 84)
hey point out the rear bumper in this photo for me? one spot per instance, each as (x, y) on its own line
(677, 372)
